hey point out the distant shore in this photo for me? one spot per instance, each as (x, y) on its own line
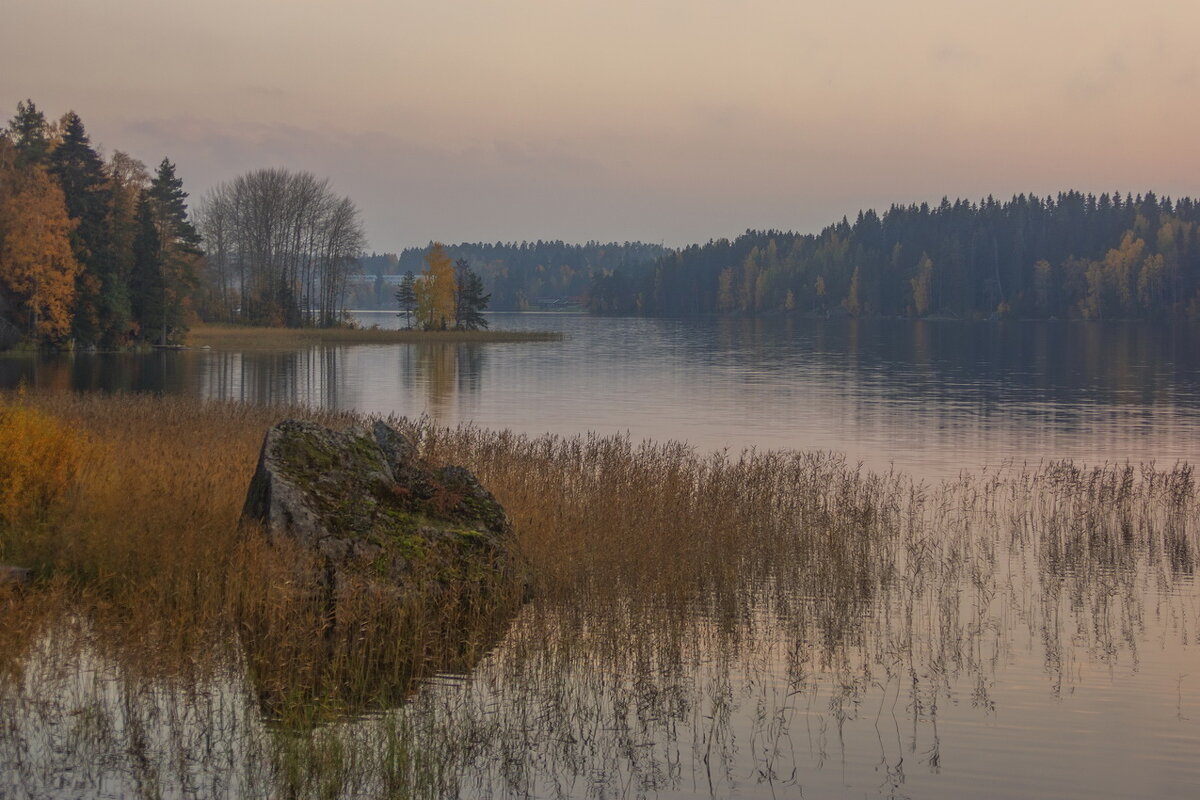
(245, 337)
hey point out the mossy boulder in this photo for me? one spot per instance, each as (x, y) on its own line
(411, 568)
(363, 500)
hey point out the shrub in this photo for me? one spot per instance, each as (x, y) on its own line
(40, 459)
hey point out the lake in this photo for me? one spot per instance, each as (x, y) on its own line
(1004, 626)
(929, 398)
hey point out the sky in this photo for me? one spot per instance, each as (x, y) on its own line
(671, 121)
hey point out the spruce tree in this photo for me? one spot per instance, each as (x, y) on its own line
(30, 134)
(163, 280)
(469, 299)
(406, 297)
(146, 284)
(85, 185)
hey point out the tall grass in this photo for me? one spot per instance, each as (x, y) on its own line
(661, 575)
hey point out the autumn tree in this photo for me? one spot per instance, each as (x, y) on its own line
(129, 180)
(922, 286)
(436, 290)
(852, 303)
(726, 299)
(38, 269)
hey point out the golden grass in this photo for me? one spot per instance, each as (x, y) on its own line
(243, 337)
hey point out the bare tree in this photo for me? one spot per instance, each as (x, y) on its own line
(281, 246)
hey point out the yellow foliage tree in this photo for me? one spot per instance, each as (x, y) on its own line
(922, 286)
(853, 303)
(1123, 266)
(436, 290)
(37, 265)
(726, 300)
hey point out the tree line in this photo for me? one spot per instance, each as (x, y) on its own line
(91, 251)
(1071, 256)
(519, 276)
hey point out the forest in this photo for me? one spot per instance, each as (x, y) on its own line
(103, 253)
(93, 252)
(1073, 256)
(522, 276)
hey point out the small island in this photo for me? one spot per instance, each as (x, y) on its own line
(248, 337)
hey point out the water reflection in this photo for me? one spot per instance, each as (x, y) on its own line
(446, 372)
(929, 397)
(904, 644)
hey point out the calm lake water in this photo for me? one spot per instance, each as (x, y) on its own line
(930, 398)
(1010, 640)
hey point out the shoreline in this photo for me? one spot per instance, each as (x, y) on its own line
(245, 337)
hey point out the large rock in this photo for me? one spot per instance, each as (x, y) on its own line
(422, 558)
(363, 501)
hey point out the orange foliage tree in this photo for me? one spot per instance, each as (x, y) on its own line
(38, 268)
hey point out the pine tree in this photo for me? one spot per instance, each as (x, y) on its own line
(175, 230)
(469, 299)
(406, 297)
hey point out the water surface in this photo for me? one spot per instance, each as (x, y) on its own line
(930, 398)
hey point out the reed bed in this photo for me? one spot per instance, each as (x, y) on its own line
(244, 337)
(688, 607)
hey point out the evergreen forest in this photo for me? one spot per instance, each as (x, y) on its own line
(1073, 256)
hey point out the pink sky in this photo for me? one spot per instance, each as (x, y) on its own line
(662, 120)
